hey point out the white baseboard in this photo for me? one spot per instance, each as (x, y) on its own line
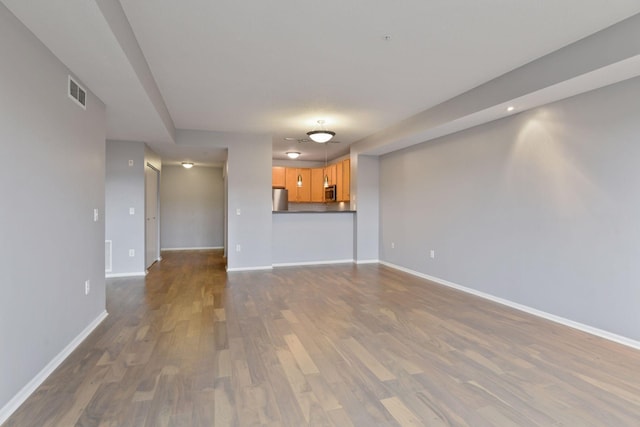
(32, 385)
(259, 267)
(132, 274)
(368, 261)
(195, 248)
(297, 264)
(539, 313)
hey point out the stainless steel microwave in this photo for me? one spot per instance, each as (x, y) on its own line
(330, 193)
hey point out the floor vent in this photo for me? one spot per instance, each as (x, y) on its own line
(107, 256)
(77, 93)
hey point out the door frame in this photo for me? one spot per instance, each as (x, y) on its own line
(156, 255)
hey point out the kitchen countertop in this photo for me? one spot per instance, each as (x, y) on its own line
(310, 212)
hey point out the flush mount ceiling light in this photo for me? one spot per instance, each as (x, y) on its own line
(187, 165)
(321, 136)
(510, 108)
(293, 154)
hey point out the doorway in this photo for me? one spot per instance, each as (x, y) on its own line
(151, 209)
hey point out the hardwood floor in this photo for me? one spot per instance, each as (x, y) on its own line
(338, 345)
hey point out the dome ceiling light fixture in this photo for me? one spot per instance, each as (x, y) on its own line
(321, 136)
(293, 154)
(187, 165)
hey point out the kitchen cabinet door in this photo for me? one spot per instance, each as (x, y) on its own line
(330, 174)
(291, 178)
(317, 188)
(278, 177)
(346, 180)
(339, 182)
(304, 191)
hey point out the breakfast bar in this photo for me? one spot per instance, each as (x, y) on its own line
(312, 237)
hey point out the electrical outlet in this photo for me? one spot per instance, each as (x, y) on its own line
(130, 162)
(393, 245)
(87, 287)
(238, 248)
(432, 254)
(238, 211)
(96, 215)
(132, 252)
(132, 211)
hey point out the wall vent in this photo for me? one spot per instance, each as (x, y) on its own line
(77, 93)
(108, 256)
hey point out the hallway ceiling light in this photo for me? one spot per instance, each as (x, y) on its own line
(187, 165)
(293, 154)
(321, 136)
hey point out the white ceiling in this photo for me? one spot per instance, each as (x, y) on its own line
(278, 66)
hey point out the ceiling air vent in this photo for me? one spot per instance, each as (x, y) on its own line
(77, 93)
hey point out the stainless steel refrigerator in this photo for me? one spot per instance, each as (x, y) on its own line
(279, 199)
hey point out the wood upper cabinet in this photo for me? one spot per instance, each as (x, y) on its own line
(291, 178)
(339, 182)
(346, 180)
(312, 180)
(317, 185)
(330, 173)
(278, 177)
(343, 180)
(302, 192)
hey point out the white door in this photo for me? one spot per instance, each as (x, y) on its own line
(152, 253)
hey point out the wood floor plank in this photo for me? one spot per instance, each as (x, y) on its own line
(402, 414)
(369, 361)
(300, 354)
(340, 345)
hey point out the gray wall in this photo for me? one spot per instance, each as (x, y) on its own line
(365, 200)
(192, 207)
(249, 189)
(540, 209)
(51, 180)
(312, 238)
(125, 190)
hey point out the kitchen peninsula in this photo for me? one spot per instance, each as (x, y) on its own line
(313, 230)
(307, 237)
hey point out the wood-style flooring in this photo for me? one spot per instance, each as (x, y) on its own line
(340, 345)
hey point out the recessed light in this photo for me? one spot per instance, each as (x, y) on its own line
(293, 154)
(510, 108)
